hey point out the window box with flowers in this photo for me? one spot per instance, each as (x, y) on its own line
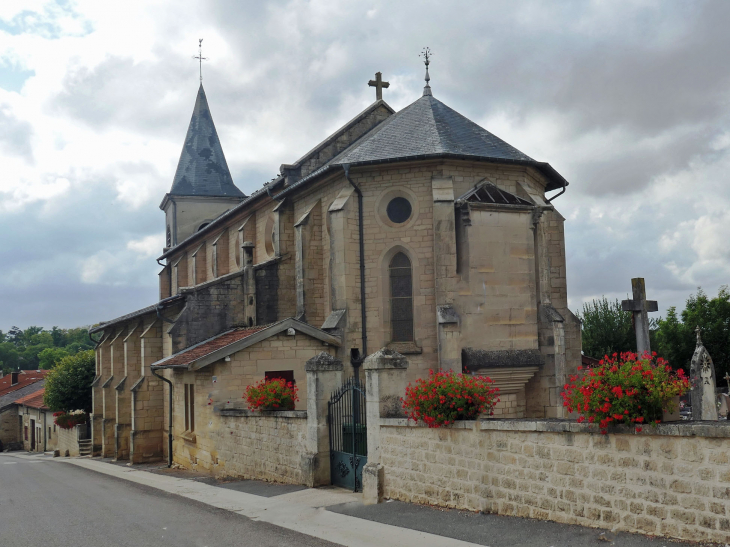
(625, 389)
(445, 397)
(272, 394)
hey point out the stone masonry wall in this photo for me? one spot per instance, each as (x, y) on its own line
(257, 445)
(671, 481)
(9, 427)
(67, 440)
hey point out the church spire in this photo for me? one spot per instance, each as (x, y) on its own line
(426, 54)
(202, 169)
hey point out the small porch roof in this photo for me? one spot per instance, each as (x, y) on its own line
(223, 345)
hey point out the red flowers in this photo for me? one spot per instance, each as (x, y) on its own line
(66, 420)
(625, 389)
(274, 394)
(446, 397)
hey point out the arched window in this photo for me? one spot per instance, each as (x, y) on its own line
(401, 298)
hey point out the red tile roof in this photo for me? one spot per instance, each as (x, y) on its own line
(25, 378)
(185, 357)
(34, 400)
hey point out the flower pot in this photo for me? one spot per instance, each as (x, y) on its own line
(674, 416)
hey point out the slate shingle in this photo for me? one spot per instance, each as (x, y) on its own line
(202, 169)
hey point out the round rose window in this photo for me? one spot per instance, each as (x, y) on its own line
(399, 210)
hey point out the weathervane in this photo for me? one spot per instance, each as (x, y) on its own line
(200, 58)
(426, 54)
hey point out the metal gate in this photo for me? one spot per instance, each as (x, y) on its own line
(348, 434)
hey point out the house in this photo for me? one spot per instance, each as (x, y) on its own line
(36, 422)
(12, 387)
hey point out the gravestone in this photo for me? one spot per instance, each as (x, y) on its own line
(724, 405)
(640, 307)
(702, 375)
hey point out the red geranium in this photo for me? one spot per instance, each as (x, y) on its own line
(446, 397)
(277, 394)
(625, 389)
(69, 421)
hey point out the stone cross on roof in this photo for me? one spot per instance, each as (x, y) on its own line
(641, 307)
(379, 84)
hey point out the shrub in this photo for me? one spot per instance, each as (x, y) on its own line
(68, 420)
(446, 397)
(274, 394)
(625, 389)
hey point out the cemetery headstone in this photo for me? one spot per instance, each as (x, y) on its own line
(640, 307)
(702, 375)
(724, 405)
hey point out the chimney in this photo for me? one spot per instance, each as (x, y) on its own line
(14, 378)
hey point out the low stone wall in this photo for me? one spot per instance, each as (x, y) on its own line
(67, 440)
(673, 480)
(256, 445)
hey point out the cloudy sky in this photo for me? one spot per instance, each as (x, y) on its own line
(630, 101)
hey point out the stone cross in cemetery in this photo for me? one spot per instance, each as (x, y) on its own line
(379, 84)
(640, 307)
(702, 375)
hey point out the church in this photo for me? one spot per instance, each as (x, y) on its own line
(417, 231)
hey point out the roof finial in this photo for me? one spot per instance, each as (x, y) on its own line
(426, 54)
(200, 58)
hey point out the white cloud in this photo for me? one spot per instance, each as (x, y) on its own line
(149, 246)
(90, 138)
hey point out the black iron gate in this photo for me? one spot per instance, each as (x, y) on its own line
(348, 434)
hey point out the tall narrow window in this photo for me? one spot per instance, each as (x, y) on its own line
(189, 407)
(401, 298)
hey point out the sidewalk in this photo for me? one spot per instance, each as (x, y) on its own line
(338, 516)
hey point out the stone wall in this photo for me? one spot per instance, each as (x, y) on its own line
(9, 427)
(67, 440)
(210, 309)
(670, 481)
(255, 445)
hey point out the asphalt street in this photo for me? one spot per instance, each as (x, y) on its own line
(45, 502)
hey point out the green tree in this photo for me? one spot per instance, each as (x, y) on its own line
(9, 356)
(677, 338)
(68, 384)
(49, 357)
(606, 328)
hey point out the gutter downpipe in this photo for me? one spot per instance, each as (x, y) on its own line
(357, 360)
(559, 193)
(169, 425)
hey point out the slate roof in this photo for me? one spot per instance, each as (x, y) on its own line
(427, 128)
(161, 304)
(202, 169)
(33, 400)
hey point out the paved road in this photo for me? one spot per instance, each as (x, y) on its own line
(46, 502)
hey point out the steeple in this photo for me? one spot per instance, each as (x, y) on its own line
(202, 169)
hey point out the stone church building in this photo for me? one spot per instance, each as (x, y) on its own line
(415, 230)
